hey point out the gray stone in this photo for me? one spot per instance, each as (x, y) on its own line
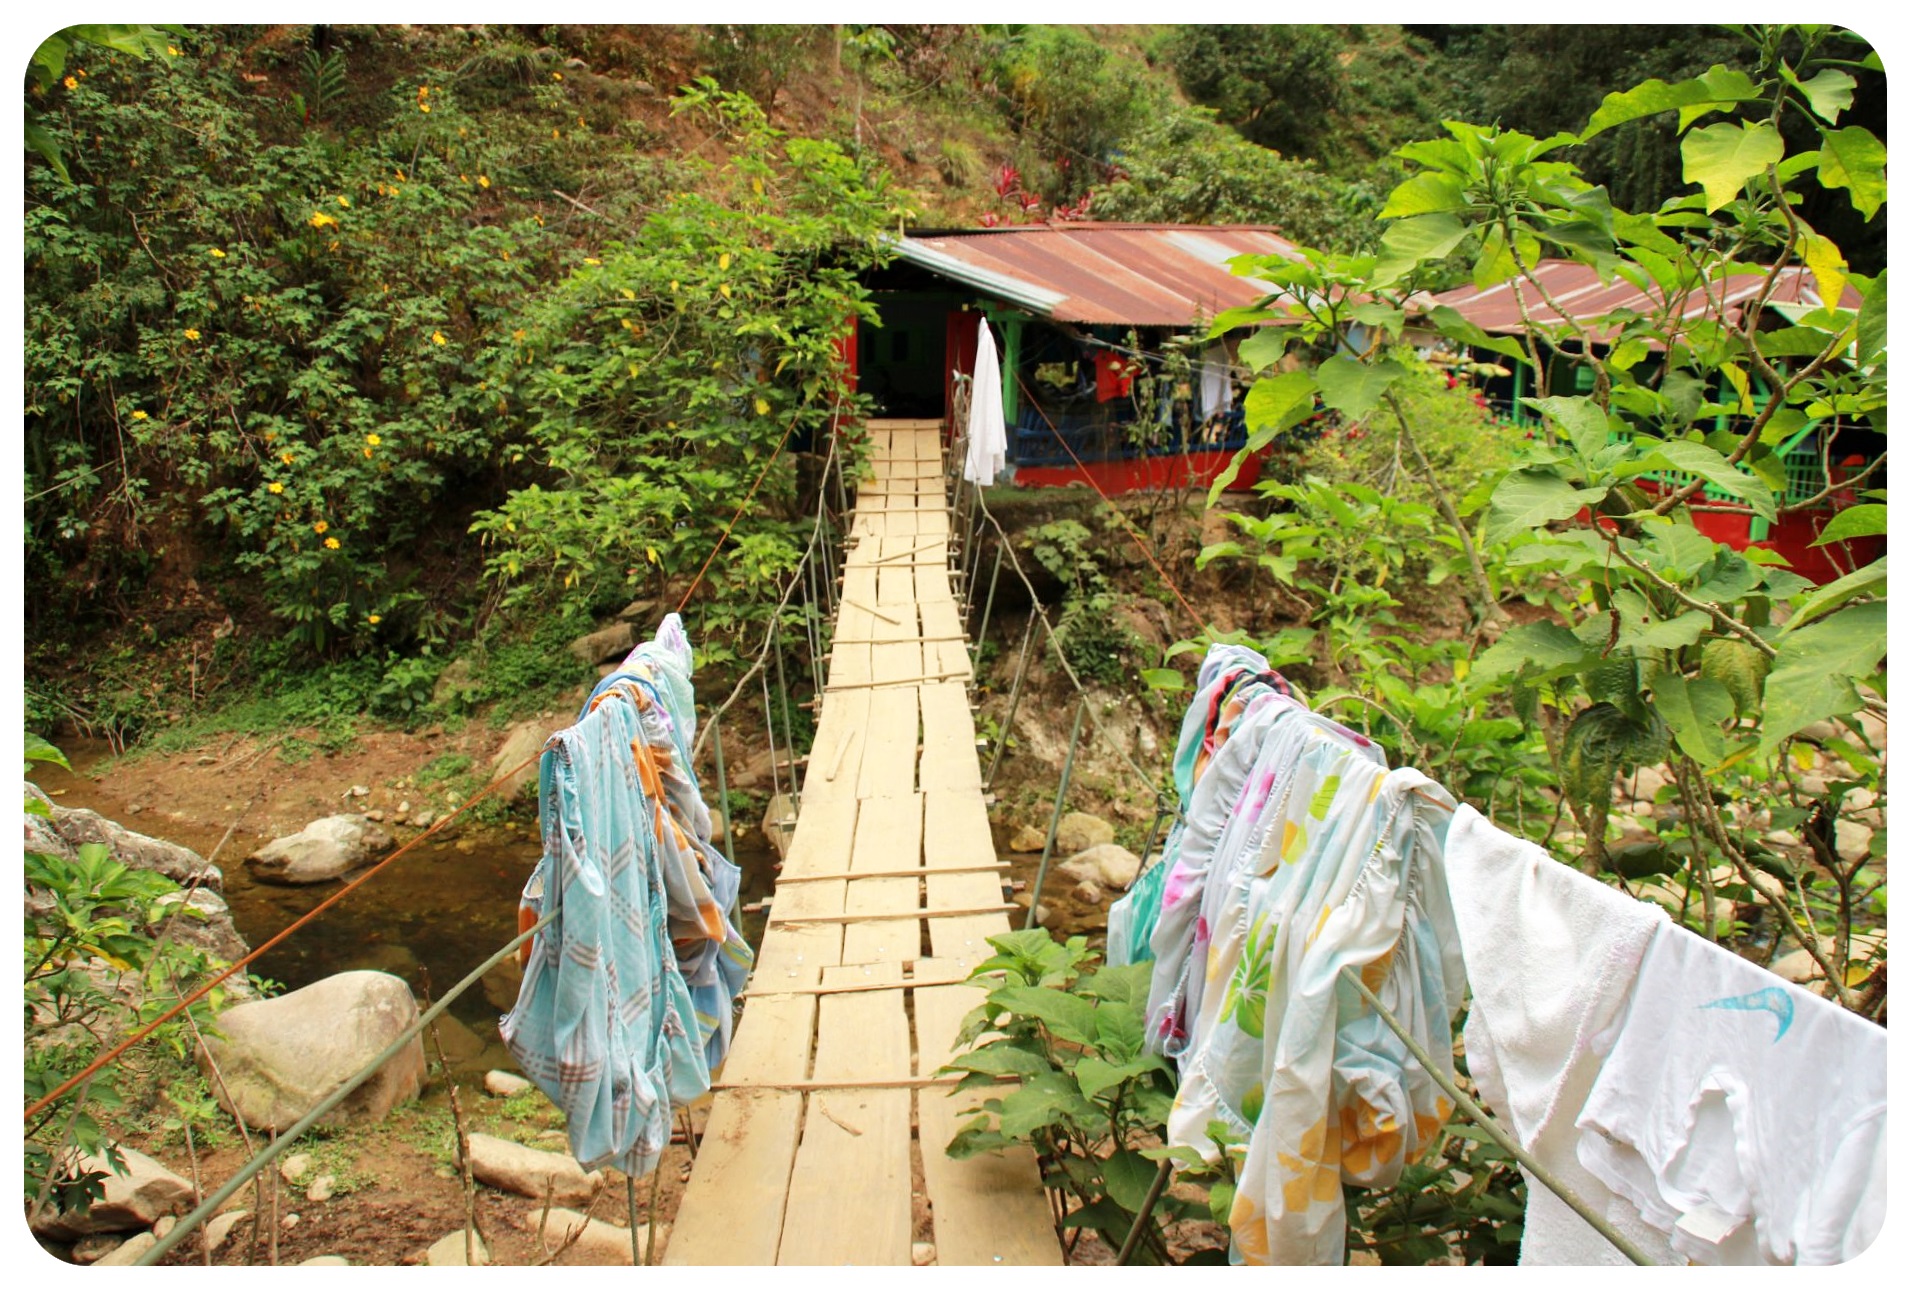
(1080, 831)
(135, 850)
(604, 644)
(524, 740)
(279, 1058)
(376, 817)
(423, 819)
(1088, 893)
(1796, 967)
(206, 924)
(505, 1084)
(295, 1166)
(327, 1261)
(132, 1200)
(501, 984)
(1647, 782)
(165, 1225)
(1108, 865)
(321, 1189)
(638, 611)
(1027, 839)
(510, 1166)
(359, 790)
(598, 1243)
(449, 1251)
(922, 1254)
(321, 851)
(91, 1249)
(220, 1226)
(128, 1254)
(289, 1222)
(1854, 840)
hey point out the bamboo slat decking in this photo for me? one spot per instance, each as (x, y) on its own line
(826, 1113)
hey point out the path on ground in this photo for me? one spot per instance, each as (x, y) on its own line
(825, 1118)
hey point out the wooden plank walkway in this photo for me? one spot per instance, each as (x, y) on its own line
(826, 1120)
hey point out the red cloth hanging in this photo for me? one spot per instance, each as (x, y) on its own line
(1113, 376)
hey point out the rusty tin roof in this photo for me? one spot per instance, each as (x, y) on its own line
(1134, 275)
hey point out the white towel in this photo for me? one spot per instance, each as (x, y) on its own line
(988, 438)
(1744, 1116)
(1551, 956)
(1217, 392)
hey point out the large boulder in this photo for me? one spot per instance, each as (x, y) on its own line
(321, 851)
(510, 1166)
(1079, 831)
(524, 740)
(205, 924)
(134, 850)
(134, 1200)
(279, 1058)
(1109, 865)
(605, 644)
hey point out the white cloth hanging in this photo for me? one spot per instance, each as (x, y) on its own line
(1217, 391)
(1551, 956)
(988, 437)
(1743, 1115)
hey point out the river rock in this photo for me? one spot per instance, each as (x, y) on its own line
(135, 850)
(134, 1199)
(641, 610)
(505, 1084)
(1088, 893)
(91, 1249)
(295, 1166)
(1080, 831)
(604, 644)
(206, 924)
(1854, 840)
(321, 1188)
(449, 1251)
(525, 739)
(1027, 839)
(281, 1057)
(220, 1226)
(501, 984)
(510, 1166)
(598, 1242)
(1109, 865)
(321, 851)
(128, 1254)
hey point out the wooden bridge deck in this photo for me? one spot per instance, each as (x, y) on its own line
(823, 1127)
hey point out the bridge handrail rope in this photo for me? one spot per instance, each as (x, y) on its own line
(204, 989)
(211, 1204)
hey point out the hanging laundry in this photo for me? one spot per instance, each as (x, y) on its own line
(1550, 956)
(626, 1001)
(1114, 375)
(1217, 386)
(1745, 1116)
(987, 434)
(1357, 883)
(701, 882)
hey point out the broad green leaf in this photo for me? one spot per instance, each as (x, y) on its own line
(1871, 578)
(1067, 1016)
(1000, 1059)
(1097, 1075)
(1628, 353)
(1827, 265)
(1128, 1175)
(1720, 158)
(1812, 676)
(1119, 1030)
(38, 749)
(1864, 520)
(1354, 388)
(1674, 550)
(1528, 500)
(1456, 326)
(1265, 346)
(1125, 984)
(1853, 158)
(1495, 262)
(1425, 194)
(1694, 711)
(1740, 667)
(1165, 679)
(1041, 1101)
(1380, 316)
(1409, 243)
(1719, 88)
(1828, 93)
(1584, 422)
(1598, 742)
(1871, 323)
(1533, 651)
(1278, 401)
(1710, 465)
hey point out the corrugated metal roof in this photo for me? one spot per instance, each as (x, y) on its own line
(1578, 291)
(1133, 275)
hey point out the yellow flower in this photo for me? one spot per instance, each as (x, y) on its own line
(342, 201)
(173, 50)
(275, 487)
(762, 406)
(216, 253)
(423, 106)
(320, 219)
(373, 440)
(518, 334)
(591, 259)
(725, 290)
(557, 76)
(286, 457)
(139, 416)
(629, 294)
(505, 254)
(192, 333)
(320, 528)
(484, 181)
(556, 135)
(373, 619)
(71, 84)
(723, 261)
(437, 338)
(673, 284)
(331, 544)
(399, 173)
